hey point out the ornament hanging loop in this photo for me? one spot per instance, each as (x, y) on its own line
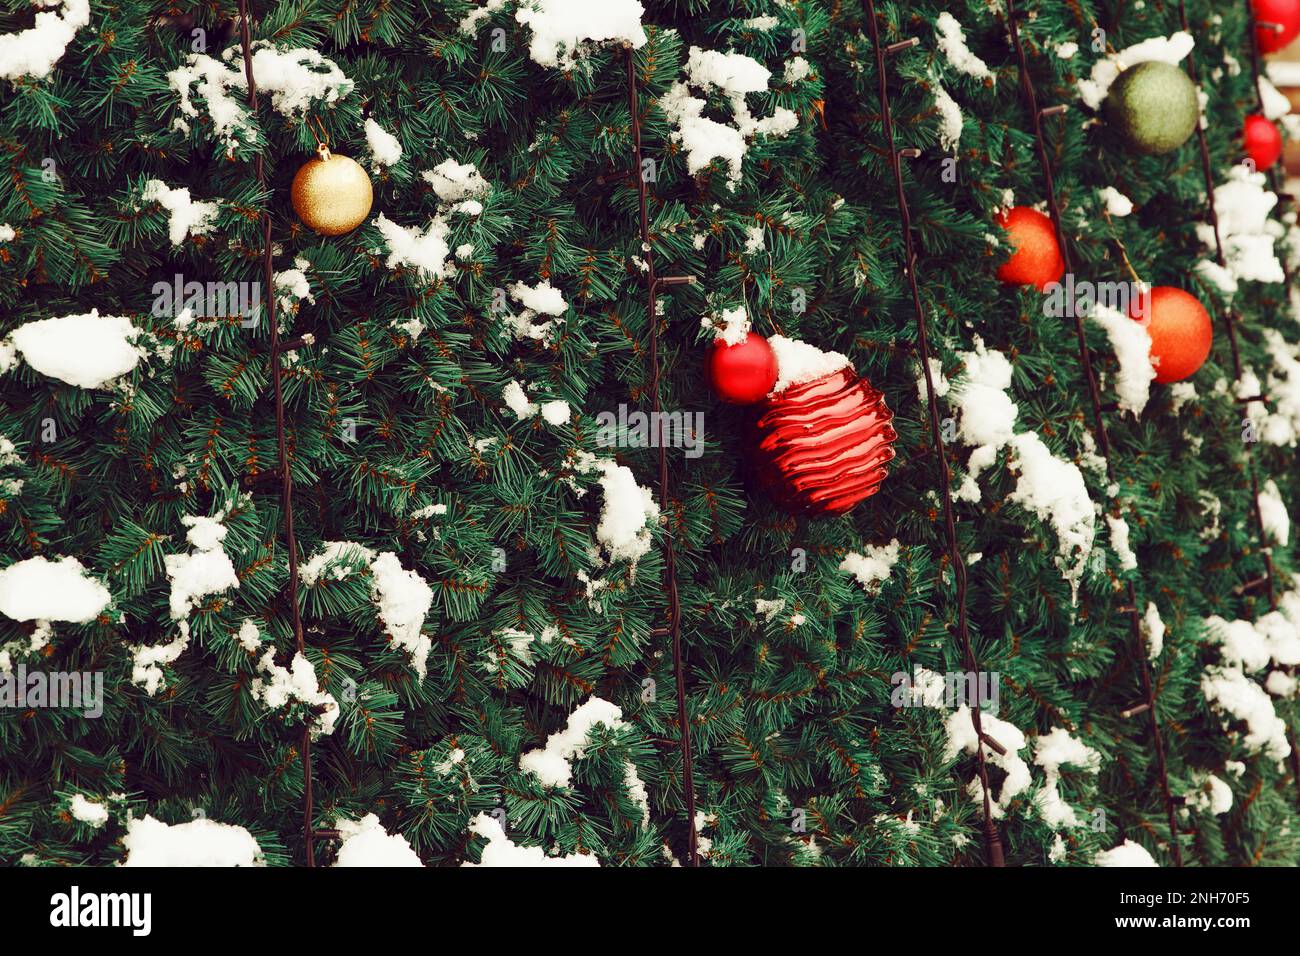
(322, 141)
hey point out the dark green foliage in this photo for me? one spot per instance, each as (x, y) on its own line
(791, 721)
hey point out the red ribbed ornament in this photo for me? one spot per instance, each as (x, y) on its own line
(821, 447)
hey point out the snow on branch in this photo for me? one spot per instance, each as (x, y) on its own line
(564, 30)
(367, 843)
(1050, 487)
(185, 216)
(552, 764)
(295, 79)
(201, 842)
(39, 589)
(35, 52)
(734, 76)
(402, 598)
(500, 851)
(629, 511)
(88, 350)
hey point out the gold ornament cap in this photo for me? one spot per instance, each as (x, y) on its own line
(332, 194)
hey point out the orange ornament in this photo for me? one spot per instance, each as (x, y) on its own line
(1037, 258)
(1181, 332)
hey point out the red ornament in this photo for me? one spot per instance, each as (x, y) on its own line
(1262, 140)
(1181, 332)
(1037, 258)
(742, 373)
(821, 447)
(1283, 13)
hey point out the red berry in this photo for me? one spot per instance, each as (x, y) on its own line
(1262, 140)
(1037, 258)
(744, 372)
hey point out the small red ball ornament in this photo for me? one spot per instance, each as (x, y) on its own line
(1262, 140)
(1282, 13)
(821, 447)
(745, 372)
(1037, 258)
(1181, 332)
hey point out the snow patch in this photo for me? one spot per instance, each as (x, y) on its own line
(1235, 697)
(500, 851)
(1050, 487)
(1132, 344)
(185, 216)
(1275, 103)
(1127, 854)
(563, 29)
(1119, 541)
(282, 686)
(365, 842)
(453, 181)
(734, 75)
(1052, 751)
(798, 362)
(1153, 631)
(551, 764)
(1209, 793)
(202, 842)
(39, 589)
(385, 149)
(952, 41)
(950, 118)
(1273, 513)
(1243, 205)
(147, 660)
(205, 570)
(1115, 202)
(88, 811)
(88, 350)
(731, 327)
(295, 79)
(404, 598)
(424, 250)
(541, 297)
(873, 567)
(401, 596)
(962, 739)
(34, 52)
(629, 511)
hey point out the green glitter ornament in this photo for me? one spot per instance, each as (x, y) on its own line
(1154, 106)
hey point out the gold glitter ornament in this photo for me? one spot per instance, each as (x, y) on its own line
(331, 194)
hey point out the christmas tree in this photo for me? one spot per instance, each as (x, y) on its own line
(553, 432)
